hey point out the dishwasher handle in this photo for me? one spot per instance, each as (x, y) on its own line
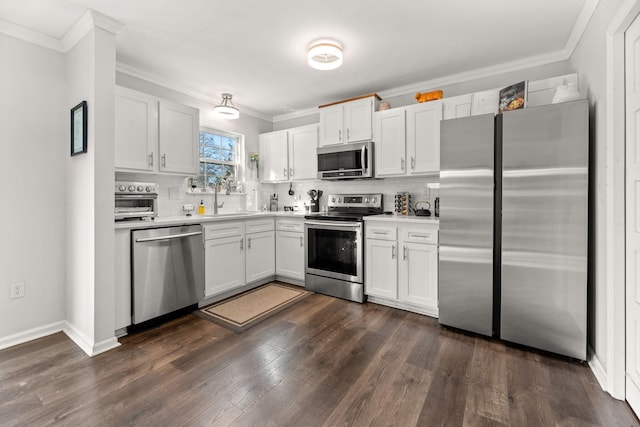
(169, 237)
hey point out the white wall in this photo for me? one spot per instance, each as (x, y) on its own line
(590, 60)
(33, 150)
(90, 71)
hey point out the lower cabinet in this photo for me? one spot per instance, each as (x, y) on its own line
(290, 248)
(238, 253)
(402, 265)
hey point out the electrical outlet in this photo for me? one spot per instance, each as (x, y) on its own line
(16, 290)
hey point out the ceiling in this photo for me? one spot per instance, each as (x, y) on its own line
(256, 49)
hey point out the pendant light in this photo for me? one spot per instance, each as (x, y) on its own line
(325, 54)
(226, 110)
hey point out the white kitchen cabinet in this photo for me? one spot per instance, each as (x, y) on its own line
(289, 154)
(122, 280)
(290, 249)
(349, 121)
(408, 140)
(456, 107)
(153, 135)
(136, 130)
(402, 265)
(390, 142)
(224, 258)
(260, 255)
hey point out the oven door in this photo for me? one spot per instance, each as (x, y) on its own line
(334, 249)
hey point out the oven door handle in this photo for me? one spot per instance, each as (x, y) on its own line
(332, 224)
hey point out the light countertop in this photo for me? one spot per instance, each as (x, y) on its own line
(403, 219)
(203, 219)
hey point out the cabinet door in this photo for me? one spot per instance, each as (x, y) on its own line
(224, 264)
(178, 138)
(390, 142)
(274, 157)
(303, 161)
(358, 118)
(456, 107)
(423, 137)
(331, 124)
(136, 130)
(260, 255)
(381, 275)
(419, 274)
(290, 255)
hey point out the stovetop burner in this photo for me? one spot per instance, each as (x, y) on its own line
(349, 207)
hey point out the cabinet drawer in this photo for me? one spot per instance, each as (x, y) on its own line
(223, 229)
(419, 235)
(381, 232)
(290, 225)
(258, 225)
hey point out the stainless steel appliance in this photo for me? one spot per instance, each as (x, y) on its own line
(513, 226)
(136, 200)
(346, 161)
(168, 270)
(335, 250)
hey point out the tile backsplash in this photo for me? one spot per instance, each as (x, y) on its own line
(173, 192)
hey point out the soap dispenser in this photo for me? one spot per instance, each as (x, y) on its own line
(201, 208)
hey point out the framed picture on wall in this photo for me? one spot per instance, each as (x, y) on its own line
(79, 128)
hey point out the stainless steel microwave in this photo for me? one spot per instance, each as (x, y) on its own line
(346, 161)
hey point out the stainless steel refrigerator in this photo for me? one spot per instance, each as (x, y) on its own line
(514, 226)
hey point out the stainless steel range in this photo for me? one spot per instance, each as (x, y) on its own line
(335, 248)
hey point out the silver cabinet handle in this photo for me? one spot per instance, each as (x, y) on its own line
(404, 252)
(402, 163)
(301, 241)
(284, 172)
(248, 242)
(290, 172)
(393, 251)
(151, 160)
(413, 162)
(164, 160)
(339, 134)
(348, 135)
(241, 244)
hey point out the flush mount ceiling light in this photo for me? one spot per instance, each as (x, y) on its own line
(226, 110)
(325, 54)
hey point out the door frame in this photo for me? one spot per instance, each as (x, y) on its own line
(612, 376)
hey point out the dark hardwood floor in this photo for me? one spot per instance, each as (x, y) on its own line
(322, 362)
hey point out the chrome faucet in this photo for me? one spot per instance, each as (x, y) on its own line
(215, 200)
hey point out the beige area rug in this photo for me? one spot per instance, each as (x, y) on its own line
(246, 310)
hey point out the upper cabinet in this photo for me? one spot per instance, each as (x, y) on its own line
(153, 135)
(290, 154)
(348, 121)
(407, 140)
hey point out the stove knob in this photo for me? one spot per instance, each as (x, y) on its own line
(339, 199)
(374, 200)
(366, 200)
(122, 187)
(140, 188)
(333, 200)
(132, 188)
(149, 189)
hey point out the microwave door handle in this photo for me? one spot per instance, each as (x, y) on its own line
(363, 157)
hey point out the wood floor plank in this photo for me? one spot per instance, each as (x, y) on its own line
(323, 361)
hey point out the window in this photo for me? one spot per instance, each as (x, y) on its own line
(218, 158)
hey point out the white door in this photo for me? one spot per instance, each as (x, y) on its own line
(390, 142)
(274, 158)
(136, 130)
(418, 273)
(423, 137)
(179, 133)
(290, 254)
(331, 121)
(358, 118)
(381, 275)
(260, 257)
(303, 160)
(224, 264)
(632, 61)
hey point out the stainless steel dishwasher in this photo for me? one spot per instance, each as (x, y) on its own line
(167, 270)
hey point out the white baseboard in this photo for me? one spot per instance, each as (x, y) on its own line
(404, 306)
(87, 345)
(597, 369)
(31, 334)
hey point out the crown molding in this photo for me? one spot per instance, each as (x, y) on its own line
(169, 84)
(31, 36)
(588, 9)
(295, 114)
(88, 21)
